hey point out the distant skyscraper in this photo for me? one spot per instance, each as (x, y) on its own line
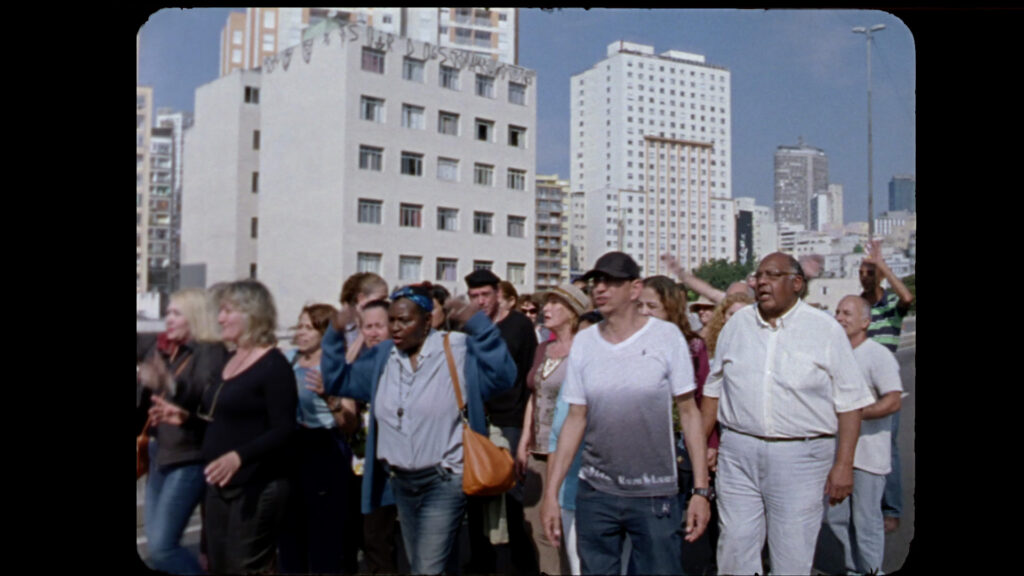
(903, 194)
(651, 152)
(247, 39)
(801, 172)
(143, 128)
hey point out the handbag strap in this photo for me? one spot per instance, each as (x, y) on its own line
(455, 376)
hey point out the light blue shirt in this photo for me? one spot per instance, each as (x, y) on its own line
(312, 411)
(567, 491)
(418, 423)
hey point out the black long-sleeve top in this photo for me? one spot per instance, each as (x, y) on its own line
(254, 415)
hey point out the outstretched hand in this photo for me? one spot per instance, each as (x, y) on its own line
(673, 265)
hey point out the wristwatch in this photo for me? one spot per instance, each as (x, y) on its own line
(708, 493)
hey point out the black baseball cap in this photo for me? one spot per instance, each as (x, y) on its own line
(481, 277)
(616, 265)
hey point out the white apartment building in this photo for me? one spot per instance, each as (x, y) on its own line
(373, 155)
(651, 153)
(248, 39)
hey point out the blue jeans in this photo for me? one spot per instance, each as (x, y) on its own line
(172, 493)
(857, 524)
(430, 505)
(653, 524)
(892, 499)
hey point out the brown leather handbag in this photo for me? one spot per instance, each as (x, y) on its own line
(486, 469)
(142, 452)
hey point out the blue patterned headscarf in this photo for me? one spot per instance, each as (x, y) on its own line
(417, 296)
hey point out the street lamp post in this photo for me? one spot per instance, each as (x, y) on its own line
(867, 32)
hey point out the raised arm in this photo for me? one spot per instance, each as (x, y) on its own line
(901, 290)
(691, 281)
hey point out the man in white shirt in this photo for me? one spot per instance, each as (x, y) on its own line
(862, 541)
(623, 375)
(783, 383)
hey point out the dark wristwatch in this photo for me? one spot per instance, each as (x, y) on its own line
(708, 493)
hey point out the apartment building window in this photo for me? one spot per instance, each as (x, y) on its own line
(517, 226)
(252, 95)
(516, 179)
(483, 174)
(448, 219)
(449, 77)
(254, 228)
(412, 164)
(448, 169)
(269, 42)
(483, 223)
(369, 211)
(411, 216)
(447, 269)
(413, 117)
(371, 109)
(410, 268)
(517, 136)
(448, 123)
(368, 262)
(252, 270)
(517, 93)
(516, 273)
(255, 182)
(484, 130)
(371, 158)
(412, 69)
(485, 86)
(373, 60)
(255, 139)
(483, 265)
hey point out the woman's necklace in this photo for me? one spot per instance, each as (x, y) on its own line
(550, 365)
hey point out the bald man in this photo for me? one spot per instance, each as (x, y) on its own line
(857, 522)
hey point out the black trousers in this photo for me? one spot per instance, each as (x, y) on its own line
(242, 526)
(379, 537)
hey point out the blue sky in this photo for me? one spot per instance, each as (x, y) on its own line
(795, 73)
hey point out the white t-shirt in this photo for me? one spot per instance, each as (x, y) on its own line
(882, 372)
(628, 389)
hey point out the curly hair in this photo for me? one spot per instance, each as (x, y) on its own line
(361, 283)
(718, 317)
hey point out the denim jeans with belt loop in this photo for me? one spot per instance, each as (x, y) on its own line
(430, 505)
(652, 523)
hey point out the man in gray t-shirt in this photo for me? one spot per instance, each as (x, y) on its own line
(624, 374)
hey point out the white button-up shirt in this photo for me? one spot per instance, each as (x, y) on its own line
(788, 381)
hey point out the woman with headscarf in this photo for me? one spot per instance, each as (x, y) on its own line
(415, 434)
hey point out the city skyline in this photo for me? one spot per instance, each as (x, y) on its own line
(796, 74)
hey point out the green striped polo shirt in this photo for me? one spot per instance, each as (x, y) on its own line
(887, 321)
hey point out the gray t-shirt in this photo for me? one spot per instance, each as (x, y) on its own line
(628, 389)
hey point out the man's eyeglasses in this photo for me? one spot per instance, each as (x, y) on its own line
(607, 280)
(208, 417)
(770, 274)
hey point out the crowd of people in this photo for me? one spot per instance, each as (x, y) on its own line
(651, 433)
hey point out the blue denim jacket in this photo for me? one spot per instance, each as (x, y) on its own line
(489, 369)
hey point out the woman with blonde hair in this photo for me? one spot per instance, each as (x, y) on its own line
(561, 312)
(186, 359)
(249, 417)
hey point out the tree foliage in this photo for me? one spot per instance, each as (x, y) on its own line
(721, 273)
